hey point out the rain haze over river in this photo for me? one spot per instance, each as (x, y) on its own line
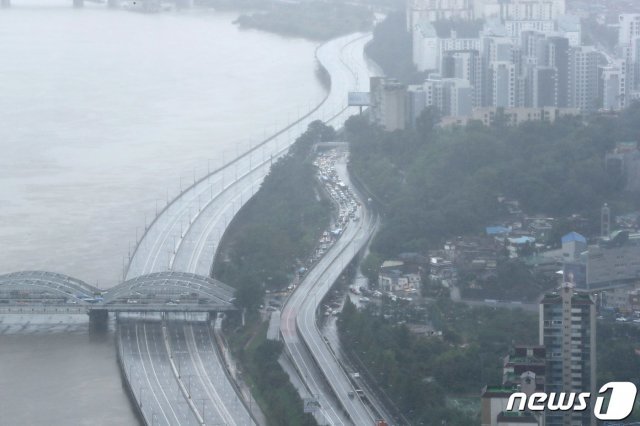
(102, 112)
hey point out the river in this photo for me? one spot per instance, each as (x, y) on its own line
(102, 114)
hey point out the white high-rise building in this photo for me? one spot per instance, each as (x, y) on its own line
(629, 48)
(453, 97)
(568, 332)
(583, 78)
(429, 49)
(614, 91)
(388, 103)
(524, 10)
(504, 84)
(570, 27)
(629, 28)
(437, 10)
(425, 46)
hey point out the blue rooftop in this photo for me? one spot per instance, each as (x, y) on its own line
(497, 230)
(573, 236)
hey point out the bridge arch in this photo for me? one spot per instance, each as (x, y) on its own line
(46, 284)
(172, 287)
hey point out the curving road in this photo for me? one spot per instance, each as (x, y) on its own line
(301, 334)
(184, 237)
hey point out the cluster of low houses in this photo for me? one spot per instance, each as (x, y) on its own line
(608, 265)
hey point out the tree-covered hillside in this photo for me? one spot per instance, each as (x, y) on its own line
(436, 183)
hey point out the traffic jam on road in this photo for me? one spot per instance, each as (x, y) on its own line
(340, 194)
(348, 210)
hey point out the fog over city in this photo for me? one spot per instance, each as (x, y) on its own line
(319, 212)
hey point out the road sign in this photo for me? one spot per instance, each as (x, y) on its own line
(359, 99)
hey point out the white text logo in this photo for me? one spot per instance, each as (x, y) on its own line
(623, 397)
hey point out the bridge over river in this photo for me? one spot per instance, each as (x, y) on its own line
(40, 292)
(175, 371)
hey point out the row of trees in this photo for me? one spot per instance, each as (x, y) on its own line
(278, 227)
(282, 404)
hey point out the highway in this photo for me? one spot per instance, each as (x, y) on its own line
(185, 235)
(197, 361)
(175, 375)
(301, 334)
(145, 362)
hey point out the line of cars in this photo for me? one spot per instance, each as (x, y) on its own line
(347, 211)
(341, 194)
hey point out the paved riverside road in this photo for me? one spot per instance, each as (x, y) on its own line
(186, 234)
(145, 363)
(301, 334)
(196, 358)
(192, 390)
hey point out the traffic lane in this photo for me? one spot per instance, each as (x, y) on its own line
(329, 268)
(163, 229)
(213, 362)
(161, 367)
(332, 369)
(315, 382)
(304, 362)
(163, 233)
(197, 250)
(306, 365)
(154, 387)
(210, 400)
(335, 375)
(191, 378)
(160, 234)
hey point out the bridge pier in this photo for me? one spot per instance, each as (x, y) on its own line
(78, 3)
(5, 3)
(98, 320)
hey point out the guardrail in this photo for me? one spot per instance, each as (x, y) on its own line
(304, 340)
(176, 375)
(137, 408)
(229, 164)
(277, 154)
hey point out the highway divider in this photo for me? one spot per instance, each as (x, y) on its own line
(176, 374)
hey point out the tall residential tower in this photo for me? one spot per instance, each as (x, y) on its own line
(568, 332)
